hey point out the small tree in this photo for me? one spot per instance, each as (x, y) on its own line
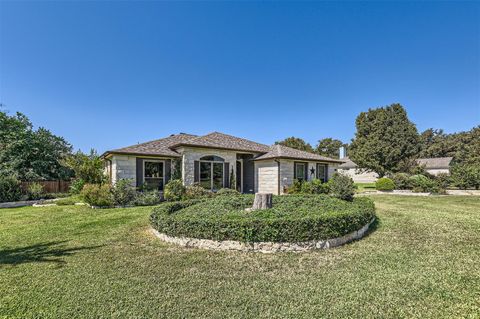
(233, 180)
(342, 187)
(385, 138)
(329, 147)
(296, 143)
(88, 167)
(177, 168)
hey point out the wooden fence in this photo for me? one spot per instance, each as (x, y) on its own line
(50, 186)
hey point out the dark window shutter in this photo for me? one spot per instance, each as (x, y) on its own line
(326, 173)
(139, 172)
(306, 171)
(294, 170)
(196, 171)
(168, 170)
(226, 175)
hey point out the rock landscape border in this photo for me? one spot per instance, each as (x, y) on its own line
(263, 247)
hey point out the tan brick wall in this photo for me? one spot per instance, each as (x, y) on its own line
(266, 177)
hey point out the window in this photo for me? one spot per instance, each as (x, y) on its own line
(211, 172)
(153, 173)
(322, 170)
(300, 171)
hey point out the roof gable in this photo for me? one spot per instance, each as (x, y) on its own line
(438, 162)
(224, 141)
(280, 151)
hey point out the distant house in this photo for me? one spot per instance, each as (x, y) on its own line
(433, 166)
(436, 165)
(352, 170)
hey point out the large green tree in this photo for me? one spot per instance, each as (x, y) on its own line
(296, 143)
(30, 154)
(329, 147)
(88, 167)
(385, 138)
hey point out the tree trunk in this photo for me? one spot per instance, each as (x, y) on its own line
(262, 201)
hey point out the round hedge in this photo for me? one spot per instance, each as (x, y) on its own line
(384, 184)
(293, 218)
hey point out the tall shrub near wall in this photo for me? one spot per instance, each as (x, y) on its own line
(9, 189)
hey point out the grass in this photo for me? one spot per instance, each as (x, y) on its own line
(364, 187)
(421, 261)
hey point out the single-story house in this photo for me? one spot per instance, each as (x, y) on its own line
(432, 166)
(436, 165)
(215, 159)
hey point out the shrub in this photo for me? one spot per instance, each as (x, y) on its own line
(123, 192)
(147, 198)
(35, 191)
(401, 181)
(296, 187)
(174, 190)
(342, 187)
(97, 195)
(384, 184)
(227, 192)
(315, 186)
(196, 191)
(68, 201)
(466, 176)
(76, 186)
(422, 183)
(443, 180)
(9, 189)
(292, 219)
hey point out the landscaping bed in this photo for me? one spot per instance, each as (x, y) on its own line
(293, 218)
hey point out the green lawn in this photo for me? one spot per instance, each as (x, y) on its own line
(364, 187)
(422, 260)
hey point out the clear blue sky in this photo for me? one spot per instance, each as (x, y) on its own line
(107, 75)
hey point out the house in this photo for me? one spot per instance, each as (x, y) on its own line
(214, 160)
(352, 170)
(436, 165)
(432, 166)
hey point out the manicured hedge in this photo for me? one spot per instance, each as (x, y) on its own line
(293, 218)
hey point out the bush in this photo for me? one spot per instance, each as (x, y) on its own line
(196, 191)
(123, 192)
(315, 186)
(76, 186)
(466, 176)
(423, 184)
(295, 188)
(384, 184)
(401, 181)
(174, 190)
(147, 198)
(342, 187)
(35, 191)
(97, 195)
(227, 192)
(293, 218)
(443, 180)
(10, 190)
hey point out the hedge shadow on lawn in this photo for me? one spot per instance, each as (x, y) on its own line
(293, 218)
(43, 252)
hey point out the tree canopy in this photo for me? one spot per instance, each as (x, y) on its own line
(30, 154)
(329, 147)
(385, 138)
(296, 143)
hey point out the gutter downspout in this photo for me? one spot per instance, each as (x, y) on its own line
(278, 176)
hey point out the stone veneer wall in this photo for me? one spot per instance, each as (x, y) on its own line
(264, 247)
(266, 177)
(124, 166)
(191, 154)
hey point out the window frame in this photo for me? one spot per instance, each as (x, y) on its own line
(305, 172)
(163, 171)
(222, 161)
(325, 172)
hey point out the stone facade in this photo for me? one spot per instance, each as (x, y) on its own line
(269, 169)
(124, 166)
(190, 155)
(358, 176)
(264, 247)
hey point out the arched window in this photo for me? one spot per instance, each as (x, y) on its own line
(212, 172)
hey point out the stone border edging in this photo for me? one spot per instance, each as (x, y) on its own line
(264, 247)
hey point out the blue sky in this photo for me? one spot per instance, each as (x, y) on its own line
(106, 75)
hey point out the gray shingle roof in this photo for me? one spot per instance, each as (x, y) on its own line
(280, 151)
(224, 141)
(160, 147)
(348, 164)
(438, 162)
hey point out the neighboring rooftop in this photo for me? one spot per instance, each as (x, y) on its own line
(437, 162)
(224, 141)
(348, 164)
(280, 151)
